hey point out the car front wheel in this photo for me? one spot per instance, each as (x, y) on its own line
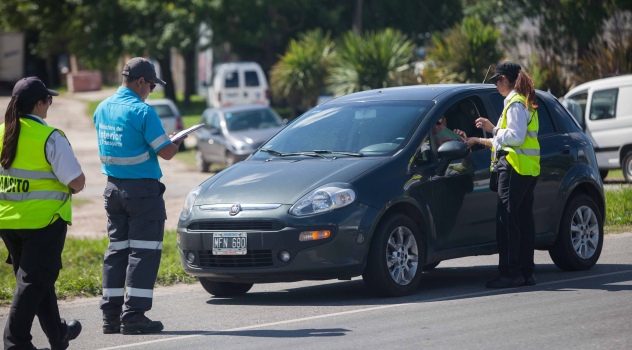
(626, 166)
(580, 237)
(200, 163)
(225, 289)
(393, 267)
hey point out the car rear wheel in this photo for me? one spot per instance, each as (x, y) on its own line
(200, 163)
(580, 237)
(393, 267)
(626, 166)
(230, 159)
(224, 289)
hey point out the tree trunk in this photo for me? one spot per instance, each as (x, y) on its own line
(189, 76)
(164, 61)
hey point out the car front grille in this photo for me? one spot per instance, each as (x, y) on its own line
(236, 225)
(253, 258)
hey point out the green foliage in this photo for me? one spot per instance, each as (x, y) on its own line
(618, 206)
(463, 54)
(82, 261)
(606, 59)
(299, 74)
(370, 61)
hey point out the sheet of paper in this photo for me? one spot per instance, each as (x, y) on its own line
(182, 133)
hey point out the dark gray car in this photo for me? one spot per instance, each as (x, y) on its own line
(232, 133)
(360, 186)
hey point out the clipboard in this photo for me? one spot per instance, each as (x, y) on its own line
(183, 133)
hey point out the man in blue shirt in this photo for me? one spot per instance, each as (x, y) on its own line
(131, 137)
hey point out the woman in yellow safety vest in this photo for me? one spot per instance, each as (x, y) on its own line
(516, 155)
(38, 175)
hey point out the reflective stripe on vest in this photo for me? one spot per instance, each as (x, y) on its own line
(125, 160)
(525, 159)
(31, 196)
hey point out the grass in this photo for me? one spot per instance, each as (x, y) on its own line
(83, 259)
(618, 209)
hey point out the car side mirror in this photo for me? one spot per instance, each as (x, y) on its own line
(215, 131)
(450, 151)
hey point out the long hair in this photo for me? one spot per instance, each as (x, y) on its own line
(524, 86)
(12, 129)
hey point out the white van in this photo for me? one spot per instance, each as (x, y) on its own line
(238, 83)
(603, 108)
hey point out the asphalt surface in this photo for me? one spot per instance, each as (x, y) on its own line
(451, 310)
(69, 114)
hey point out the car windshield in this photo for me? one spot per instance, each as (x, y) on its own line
(356, 128)
(252, 119)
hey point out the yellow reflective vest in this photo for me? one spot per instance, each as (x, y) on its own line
(31, 196)
(525, 159)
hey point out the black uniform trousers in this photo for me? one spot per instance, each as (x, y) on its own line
(515, 223)
(36, 258)
(136, 221)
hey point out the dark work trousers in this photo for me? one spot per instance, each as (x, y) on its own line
(136, 221)
(515, 224)
(36, 258)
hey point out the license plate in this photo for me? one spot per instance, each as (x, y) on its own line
(229, 243)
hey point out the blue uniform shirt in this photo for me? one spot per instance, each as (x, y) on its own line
(129, 134)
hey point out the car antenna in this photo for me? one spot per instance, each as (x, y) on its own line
(486, 74)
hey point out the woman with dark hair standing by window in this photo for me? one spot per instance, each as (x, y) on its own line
(38, 175)
(516, 150)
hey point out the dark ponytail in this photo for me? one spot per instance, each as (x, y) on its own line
(524, 86)
(12, 129)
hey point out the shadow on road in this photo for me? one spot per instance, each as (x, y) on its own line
(447, 283)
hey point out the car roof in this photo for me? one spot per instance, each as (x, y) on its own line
(239, 108)
(413, 92)
(601, 83)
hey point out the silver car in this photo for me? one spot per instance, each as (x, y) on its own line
(231, 134)
(169, 115)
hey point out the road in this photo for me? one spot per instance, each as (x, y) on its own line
(451, 310)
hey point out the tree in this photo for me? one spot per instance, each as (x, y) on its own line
(463, 54)
(370, 61)
(299, 74)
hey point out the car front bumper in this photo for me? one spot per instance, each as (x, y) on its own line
(271, 232)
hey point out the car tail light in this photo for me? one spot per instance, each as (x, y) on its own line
(268, 94)
(219, 97)
(179, 125)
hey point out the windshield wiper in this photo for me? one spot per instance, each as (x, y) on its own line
(344, 153)
(290, 154)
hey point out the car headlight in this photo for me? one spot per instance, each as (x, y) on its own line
(324, 199)
(188, 203)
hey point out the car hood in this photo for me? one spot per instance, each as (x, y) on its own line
(254, 137)
(279, 181)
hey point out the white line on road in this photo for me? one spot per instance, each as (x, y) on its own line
(461, 296)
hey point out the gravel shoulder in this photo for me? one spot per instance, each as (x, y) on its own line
(69, 114)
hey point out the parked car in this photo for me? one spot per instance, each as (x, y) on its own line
(169, 115)
(604, 110)
(238, 83)
(357, 186)
(231, 134)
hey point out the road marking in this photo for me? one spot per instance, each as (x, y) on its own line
(461, 296)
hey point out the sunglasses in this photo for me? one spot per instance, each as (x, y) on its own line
(50, 100)
(152, 85)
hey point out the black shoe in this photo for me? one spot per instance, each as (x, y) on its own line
(505, 282)
(530, 280)
(143, 326)
(111, 324)
(72, 332)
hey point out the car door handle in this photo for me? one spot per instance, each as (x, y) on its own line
(565, 150)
